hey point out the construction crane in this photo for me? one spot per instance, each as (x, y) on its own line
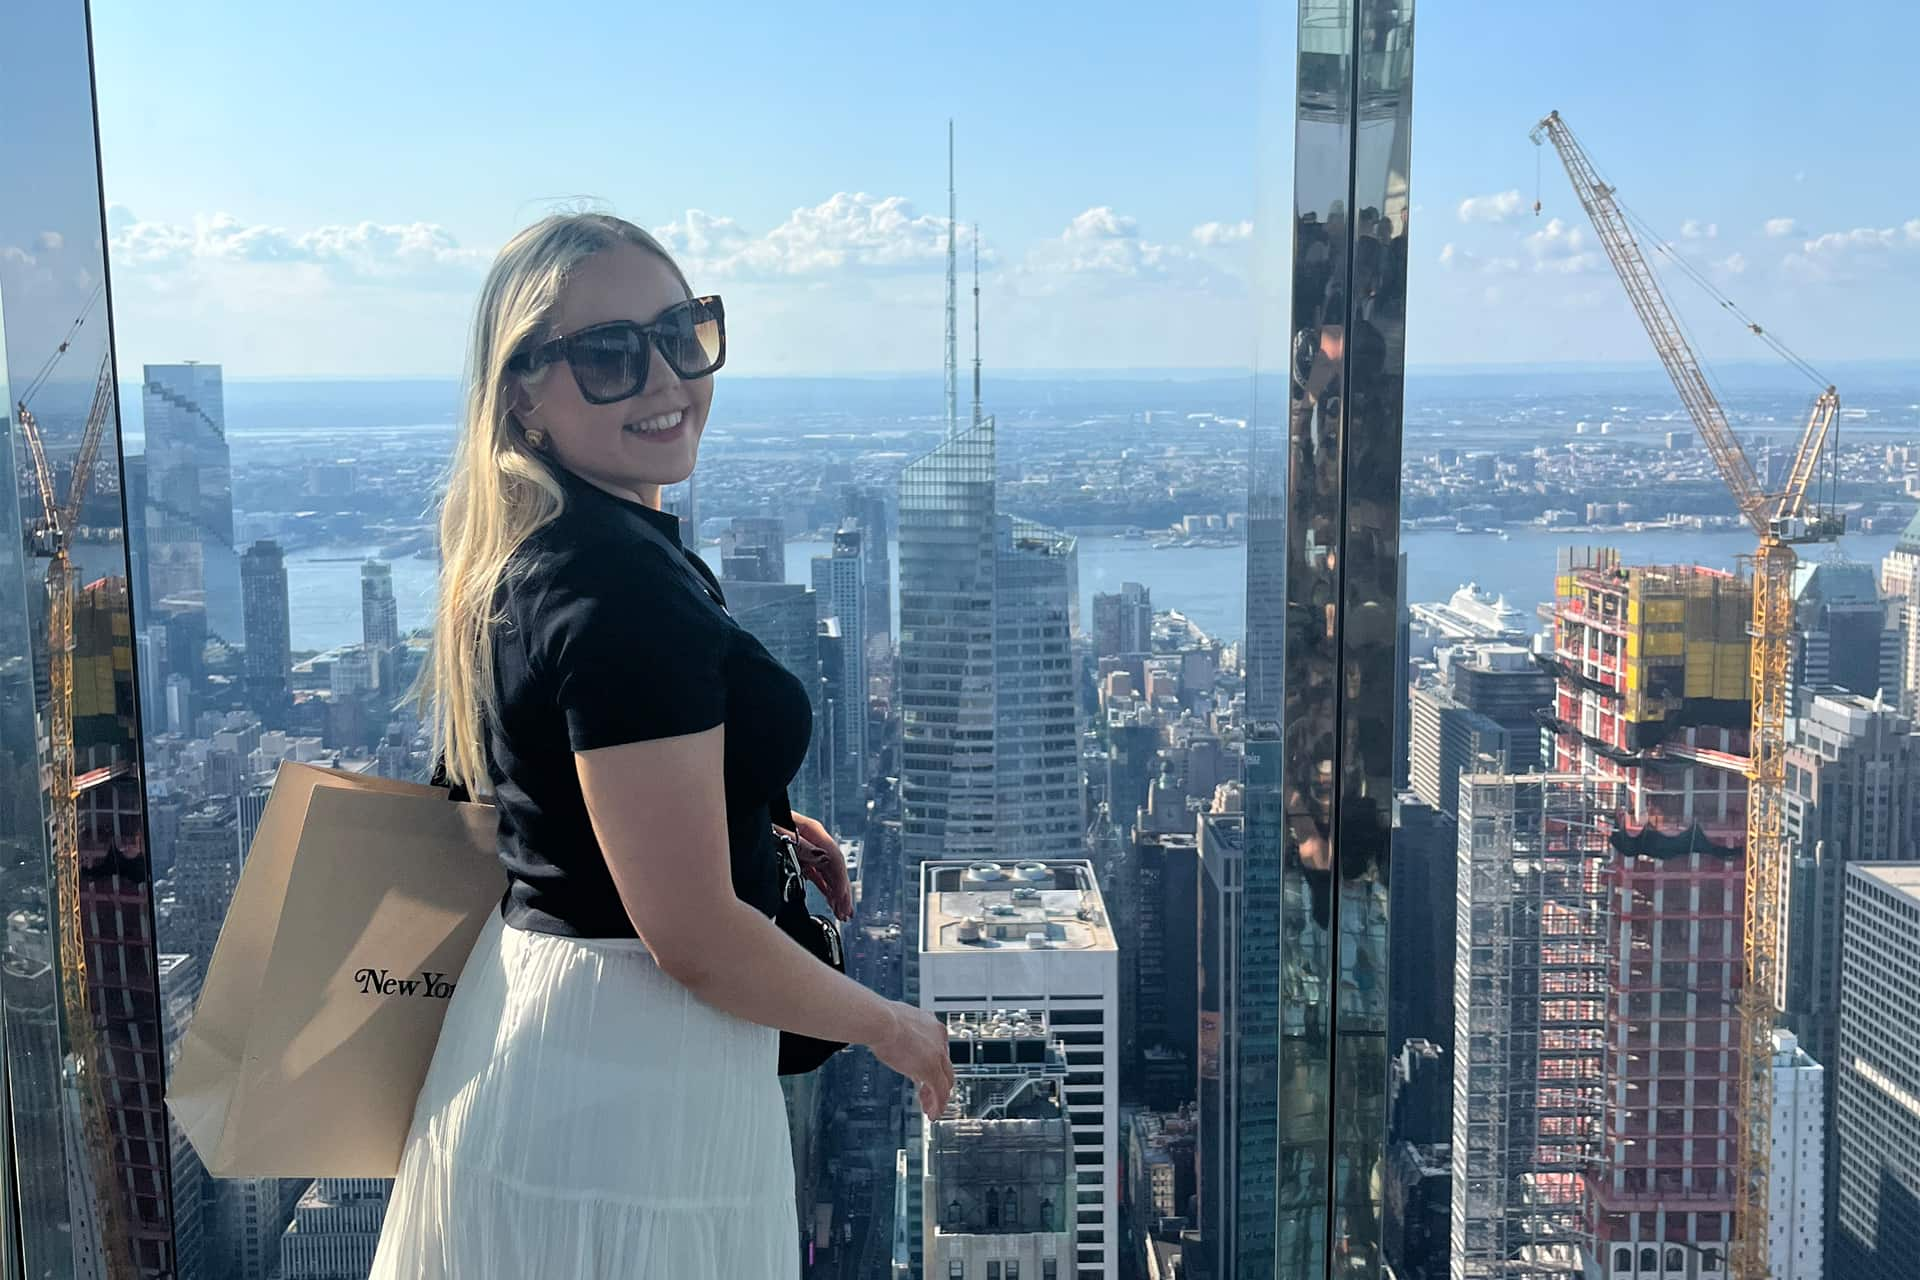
(52, 540)
(1780, 519)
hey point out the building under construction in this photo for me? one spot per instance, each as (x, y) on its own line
(1651, 667)
(1530, 1019)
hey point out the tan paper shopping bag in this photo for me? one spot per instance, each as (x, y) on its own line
(355, 910)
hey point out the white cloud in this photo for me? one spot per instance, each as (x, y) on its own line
(1779, 227)
(363, 249)
(1842, 254)
(1561, 247)
(1213, 234)
(847, 230)
(1694, 229)
(1491, 208)
(1102, 242)
(1734, 263)
(51, 240)
(14, 255)
(1835, 242)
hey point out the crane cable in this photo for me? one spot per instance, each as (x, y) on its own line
(1700, 278)
(46, 369)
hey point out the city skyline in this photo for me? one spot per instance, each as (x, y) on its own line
(1171, 704)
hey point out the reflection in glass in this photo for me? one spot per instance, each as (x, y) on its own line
(78, 974)
(1321, 687)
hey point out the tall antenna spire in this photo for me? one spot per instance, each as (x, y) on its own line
(976, 324)
(953, 339)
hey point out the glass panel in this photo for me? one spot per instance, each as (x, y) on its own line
(1654, 1037)
(1323, 589)
(1101, 610)
(80, 990)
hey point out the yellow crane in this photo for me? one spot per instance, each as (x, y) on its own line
(1780, 520)
(53, 540)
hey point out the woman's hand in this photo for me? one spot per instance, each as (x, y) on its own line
(915, 1045)
(824, 864)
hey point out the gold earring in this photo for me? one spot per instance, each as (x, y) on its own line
(535, 437)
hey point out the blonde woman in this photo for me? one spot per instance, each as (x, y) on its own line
(603, 1101)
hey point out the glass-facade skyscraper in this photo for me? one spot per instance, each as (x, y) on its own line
(1039, 797)
(269, 633)
(945, 681)
(191, 557)
(840, 592)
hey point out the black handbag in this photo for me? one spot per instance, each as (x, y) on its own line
(820, 935)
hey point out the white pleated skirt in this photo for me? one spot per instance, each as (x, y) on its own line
(587, 1117)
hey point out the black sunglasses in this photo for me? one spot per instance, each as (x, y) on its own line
(610, 361)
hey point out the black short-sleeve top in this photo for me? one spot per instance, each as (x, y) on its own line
(607, 637)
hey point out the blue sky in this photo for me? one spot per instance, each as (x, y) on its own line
(317, 193)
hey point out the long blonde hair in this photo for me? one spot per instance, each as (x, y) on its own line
(498, 490)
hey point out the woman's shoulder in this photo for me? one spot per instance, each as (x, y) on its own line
(553, 559)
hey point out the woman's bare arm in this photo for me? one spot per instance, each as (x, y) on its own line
(659, 812)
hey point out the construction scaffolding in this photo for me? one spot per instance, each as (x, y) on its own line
(1530, 1019)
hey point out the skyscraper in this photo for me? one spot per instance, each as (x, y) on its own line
(866, 506)
(1446, 739)
(133, 487)
(1877, 1134)
(839, 785)
(754, 550)
(1035, 935)
(1503, 683)
(206, 868)
(1529, 1007)
(269, 653)
(121, 984)
(1840, 633)
(191, 554)
(1900, 590)
(839, 592)
(1797, 1165)
(999, 1167)
(1852, 796)
(379, 613)
(784, 618)
(1123, 621)
(1237, 1047)
(179, 992)
(1653, 695)
(1039, 794)
(1164, 968)
(946, 668)
(335, 1229)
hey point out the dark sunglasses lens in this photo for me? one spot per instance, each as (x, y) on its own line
(610, 364)
(691, 341)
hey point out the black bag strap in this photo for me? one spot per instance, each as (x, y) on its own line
(457, 792)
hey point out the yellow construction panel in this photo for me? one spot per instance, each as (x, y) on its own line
(1666, 644)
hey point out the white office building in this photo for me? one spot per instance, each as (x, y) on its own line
(1035, 936)
(1796, 1187)
(335, 1229)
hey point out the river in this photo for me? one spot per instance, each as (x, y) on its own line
(1208, 584)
